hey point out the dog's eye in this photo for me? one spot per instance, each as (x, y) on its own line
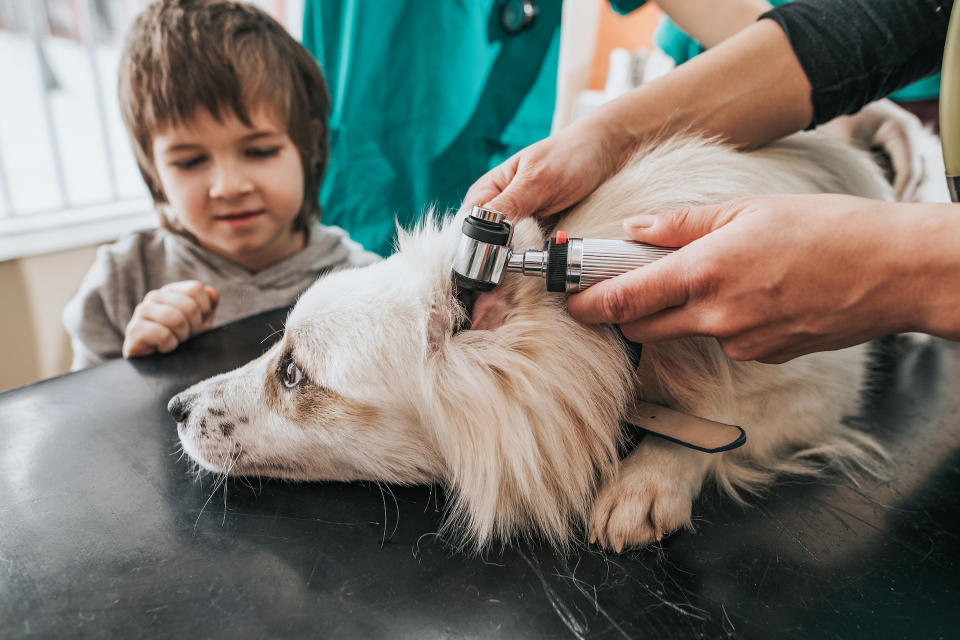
(292, 375)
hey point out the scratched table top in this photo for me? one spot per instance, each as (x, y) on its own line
(104, 532)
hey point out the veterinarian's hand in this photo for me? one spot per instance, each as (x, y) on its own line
(706, 95)
(773, 278)
(168, 316)
(895, 130)
(552, 174)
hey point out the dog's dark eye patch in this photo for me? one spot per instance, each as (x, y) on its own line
(216, 411)
(289, 372)
(311, 404)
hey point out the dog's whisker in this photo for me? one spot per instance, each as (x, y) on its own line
(383, 499)
(396, 506)
(220, 481)
(273, 333)
(226, 474)
(204, 506)
(179, 451)
(416, 545)
(247, 482)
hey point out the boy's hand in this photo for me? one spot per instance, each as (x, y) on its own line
(168, 316)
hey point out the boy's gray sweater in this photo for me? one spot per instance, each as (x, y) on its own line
(125, 271)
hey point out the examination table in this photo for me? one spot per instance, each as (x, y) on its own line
(104, 532)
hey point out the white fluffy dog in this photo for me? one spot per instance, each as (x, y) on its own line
(520, 416)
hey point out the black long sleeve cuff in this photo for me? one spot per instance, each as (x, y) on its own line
(857, 51)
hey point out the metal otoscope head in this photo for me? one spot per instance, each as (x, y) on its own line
(483, 250)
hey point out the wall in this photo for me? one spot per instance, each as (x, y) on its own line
(33, 291)
(616, 31)
(591, 29)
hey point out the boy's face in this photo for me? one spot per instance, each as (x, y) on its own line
(236, 188)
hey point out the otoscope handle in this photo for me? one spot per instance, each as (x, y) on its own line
(573, 264)
(591, 260)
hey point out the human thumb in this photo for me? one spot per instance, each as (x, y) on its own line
(680, 227)
(517, 200)
(526, 194)
(498, 190)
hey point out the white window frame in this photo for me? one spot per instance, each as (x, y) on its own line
(34, 234)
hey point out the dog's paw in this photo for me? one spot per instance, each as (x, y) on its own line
(632, 512)
(650, 497)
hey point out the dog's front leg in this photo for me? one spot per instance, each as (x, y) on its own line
(650, 496)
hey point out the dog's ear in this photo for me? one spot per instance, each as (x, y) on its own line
(523, 451)
(490, 309)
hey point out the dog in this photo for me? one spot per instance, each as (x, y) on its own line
(520, 416)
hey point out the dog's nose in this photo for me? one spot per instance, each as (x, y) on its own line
(178, 407)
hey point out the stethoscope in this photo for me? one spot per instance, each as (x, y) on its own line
(517, 15)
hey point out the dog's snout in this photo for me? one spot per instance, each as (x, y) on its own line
(179, 407)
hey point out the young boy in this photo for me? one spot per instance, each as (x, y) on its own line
(227, 115)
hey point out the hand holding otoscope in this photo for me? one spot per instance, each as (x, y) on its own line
(568, 264)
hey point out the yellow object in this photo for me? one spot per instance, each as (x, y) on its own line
(950, 105)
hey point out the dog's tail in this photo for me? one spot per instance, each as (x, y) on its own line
(844, 450)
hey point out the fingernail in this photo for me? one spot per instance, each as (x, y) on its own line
(642, 221)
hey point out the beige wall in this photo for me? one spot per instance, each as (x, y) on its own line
(34, 290)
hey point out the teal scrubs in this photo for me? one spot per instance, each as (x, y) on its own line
(426, 97)
(678, 45)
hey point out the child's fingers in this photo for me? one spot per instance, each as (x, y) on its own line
(178, 312)
(144, 337)
(213, 295)
(197, 291)
(168, 316)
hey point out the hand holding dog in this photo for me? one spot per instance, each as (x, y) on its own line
(773, 278)
(560, 171)
(169, 315)
(552, 174)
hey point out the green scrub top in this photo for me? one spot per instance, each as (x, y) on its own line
(673, 41)
(426, 97)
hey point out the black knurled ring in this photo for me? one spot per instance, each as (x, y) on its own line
(557, 267)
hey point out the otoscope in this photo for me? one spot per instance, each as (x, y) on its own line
(568, 264)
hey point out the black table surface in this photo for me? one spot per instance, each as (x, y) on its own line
(104, 532)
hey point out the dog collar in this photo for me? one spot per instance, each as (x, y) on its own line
(681, 428)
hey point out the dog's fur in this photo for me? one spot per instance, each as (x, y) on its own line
(520, 416)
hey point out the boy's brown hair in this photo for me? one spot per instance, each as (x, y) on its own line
(227, 57)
